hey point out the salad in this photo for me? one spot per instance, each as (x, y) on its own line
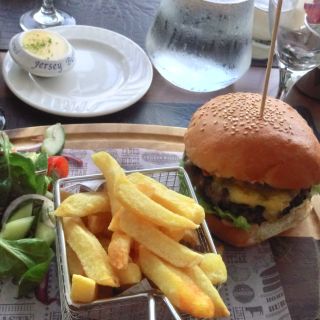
(27, 226)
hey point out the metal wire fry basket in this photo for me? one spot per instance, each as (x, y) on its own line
(149, 304)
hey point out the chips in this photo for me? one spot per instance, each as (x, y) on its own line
(176, 285)
(170, 199)
(135, 201)
(141, 232)
(90, 252)
(112, 172)
(160, 244)
(83, 289)
(130, 275)
(214, 267)
(97, 223)
(203, 282)
(83, 204)
(74, 264)
(119, 250)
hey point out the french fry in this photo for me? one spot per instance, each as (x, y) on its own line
(83, 289)
(214, 267)
(119, 250)
(191, 237)
(186, 235)
(112, 172)
(157, 242)
(148, 190)
(83, 204)
(98, 223)
(135, 201)
(176, 285)
(175, 234)
(170, 199)
(134, 226)
(114, 224)
(140, 178)
(74, 264)
(203, 282)
(90, 252)
(130, 275)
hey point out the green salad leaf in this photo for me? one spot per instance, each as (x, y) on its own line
(26, 260)
(32, 277)
(5, 180)
(238, 221)
(18, 173)
(315, 190)
(39, 159)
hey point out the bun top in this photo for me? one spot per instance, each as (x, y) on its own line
(227, 138)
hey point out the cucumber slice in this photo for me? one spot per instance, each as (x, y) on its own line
(54, 139)
(45, 233)
(17, 229)
(22, 212)
(47, 214)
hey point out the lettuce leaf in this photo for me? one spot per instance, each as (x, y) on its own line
(238, 221)
(26, 260)
(5, 180)
(315, 190)
(18, 173)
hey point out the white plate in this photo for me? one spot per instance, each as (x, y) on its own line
(111, 73)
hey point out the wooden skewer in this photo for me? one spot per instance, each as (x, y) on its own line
(270, 58)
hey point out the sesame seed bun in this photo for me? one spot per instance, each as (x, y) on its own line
(228, 138)
(223, 230)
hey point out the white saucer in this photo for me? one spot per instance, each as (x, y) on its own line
(110, 74)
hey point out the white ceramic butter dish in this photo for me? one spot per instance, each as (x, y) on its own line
(42, 52)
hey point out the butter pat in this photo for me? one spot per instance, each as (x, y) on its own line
(42, 53)
(45, 45)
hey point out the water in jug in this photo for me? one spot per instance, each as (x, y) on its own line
(201, 45)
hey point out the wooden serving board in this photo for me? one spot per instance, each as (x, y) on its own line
(103, 135)
(98, 136)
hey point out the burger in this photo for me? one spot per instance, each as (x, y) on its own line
(254, 174)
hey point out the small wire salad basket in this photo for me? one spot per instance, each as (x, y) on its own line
(140, 301)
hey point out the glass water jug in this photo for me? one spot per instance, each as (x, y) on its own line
(201, 45)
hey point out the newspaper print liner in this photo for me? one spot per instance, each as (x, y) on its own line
(244, 265)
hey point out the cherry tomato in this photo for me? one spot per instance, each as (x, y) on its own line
(58, 167)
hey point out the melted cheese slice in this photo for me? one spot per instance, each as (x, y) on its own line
(273, 201)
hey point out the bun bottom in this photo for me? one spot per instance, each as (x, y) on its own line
(225, 231)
